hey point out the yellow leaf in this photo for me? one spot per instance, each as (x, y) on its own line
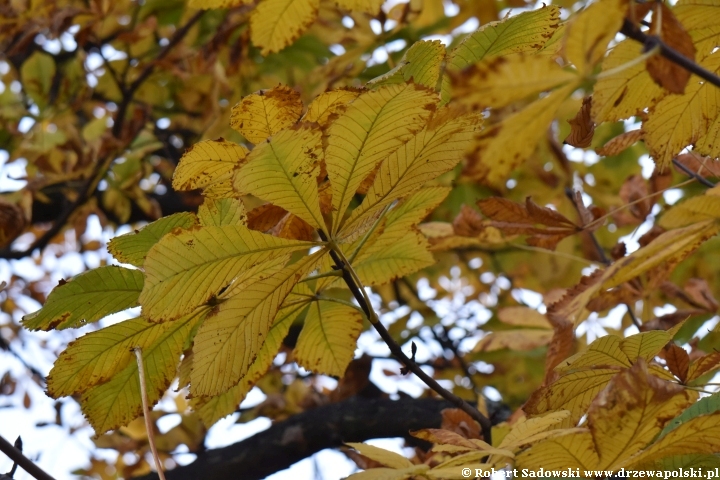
(693, 210)
(365, 6)
(433, 151)
(571, 448)
(667, 250)
(500, 81)
(323, 108)
(328, 339)
(709, 144)
(212, 409)
(133, 247)
(117, 402)
(526, 32)
(680, 120)
(697, 14)
(629, 90)
(421, 64)
(208, 4)
(389, 473)
(527, 429)
(382, 456)
(590, 32)
(230, 339)
(573, 392)
(504, 146)
(643, 402)
(187, 269)
(524, 317)
(645, 345)
(284, 171)
(209, 165)
(525, 339)
(604, 352)
(98, 356)
(222, 211)
(399, 249)
(373, 127)
(266, 112)
(698, 435)
(87, 298)
(275, 24)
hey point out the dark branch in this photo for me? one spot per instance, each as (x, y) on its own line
(329, 426)
(395, 349)
(631, 31)
(22, 461)
(692, 174)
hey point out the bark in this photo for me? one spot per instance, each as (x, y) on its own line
(329, 426)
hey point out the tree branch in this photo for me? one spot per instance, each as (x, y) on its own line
(631, 31)
(692, 174)
(395, 349)
(22, 461)
(328, 426)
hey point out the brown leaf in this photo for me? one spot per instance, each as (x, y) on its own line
(664, 72)
(293, 227)
(561, 347)
(355, 380)
(703, 365)
(699, 291)
(620, 143)
(586, 216)
(635, 189)
(612, 298)
(514, 218)
(12, 222)
(698, 164)
(650, 235)
(582, 126)
(468, 223)
(677, 360)
(265, 217)
(667, 321)
(455, 420)
(618, 251)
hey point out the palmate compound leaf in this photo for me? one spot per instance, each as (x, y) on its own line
(212, 409)
(570, 448)
(209, 165)
(221, 211)
(264, 113)
(499, 81)
(644, 402)
(328, 338)
(399, 248)
(529, 430)
(187, 269)
(132, 247)
(285, 170)
(434, 150)
(275, 24)
(376, 124)
(117, 402)
(502, 147)
(87, 298)
(231, 337)
(590, 32)
(681, 120)
(526, 32)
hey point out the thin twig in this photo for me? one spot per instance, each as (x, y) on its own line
(360, 295)
(601, 253)
(146, 413)
(692, 174)
(631, 31)
(22, 461)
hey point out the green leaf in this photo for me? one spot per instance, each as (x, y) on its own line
(704, 406)
(87, 298)
(133, 247)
